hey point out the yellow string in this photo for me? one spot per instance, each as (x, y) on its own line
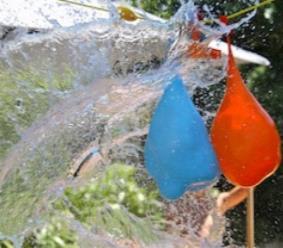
(84, 5)
(120, 8)
(249, 9)
(244, 11)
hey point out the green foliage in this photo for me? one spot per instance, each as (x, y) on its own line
(115, 202)
(19, 196)
(24, 96)
(56, 235)
(25, 186)
(6, 244)
(163, 8)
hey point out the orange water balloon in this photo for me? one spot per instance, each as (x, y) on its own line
(244, 136)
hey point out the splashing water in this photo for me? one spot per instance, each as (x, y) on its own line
(89, 87)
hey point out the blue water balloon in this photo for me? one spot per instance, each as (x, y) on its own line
(178, 152)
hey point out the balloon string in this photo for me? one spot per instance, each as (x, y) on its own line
(229, 42)
(244, 11)
(249, 9)
(84, 5)
(96, 7)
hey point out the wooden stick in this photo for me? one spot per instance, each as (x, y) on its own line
(250, 219)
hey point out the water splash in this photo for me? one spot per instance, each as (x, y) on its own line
(89, 86)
